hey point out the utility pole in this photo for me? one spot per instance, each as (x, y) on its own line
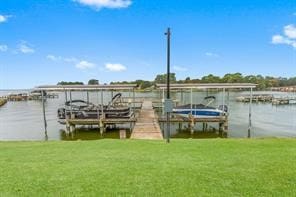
(168, 34)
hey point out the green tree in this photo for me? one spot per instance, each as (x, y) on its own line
(162, 78)
(210, 79)
(70, 83)
(93, 82)
(233, 78)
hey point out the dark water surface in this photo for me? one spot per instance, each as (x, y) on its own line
(23, 120)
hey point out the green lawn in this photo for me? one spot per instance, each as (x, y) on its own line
(213, 167)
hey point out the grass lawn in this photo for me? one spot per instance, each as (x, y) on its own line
(213, 167)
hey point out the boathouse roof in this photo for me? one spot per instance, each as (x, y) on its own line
(86, 87)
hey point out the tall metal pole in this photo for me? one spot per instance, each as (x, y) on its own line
(44, 116)
(191, 101)
(223, 100)
(134, 100)
(168, 34)
(87, 96)
(250, 113)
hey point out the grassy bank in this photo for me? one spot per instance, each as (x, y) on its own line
(218, 167)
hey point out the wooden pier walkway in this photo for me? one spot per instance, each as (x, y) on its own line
(147, 126)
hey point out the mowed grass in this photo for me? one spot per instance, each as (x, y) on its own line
(213, 167)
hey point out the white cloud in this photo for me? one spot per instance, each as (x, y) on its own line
(52, 57)
(179, 68)
(277, 39)
(59, 58)
(25, 48)
(80, 64)
(289, 37)
(209, 54)
(4, 18)
(290, 31)
(85, 65)
(3, 48)
(115, 67)
(98, 4)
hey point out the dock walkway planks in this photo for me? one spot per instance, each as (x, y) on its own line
(147, 126)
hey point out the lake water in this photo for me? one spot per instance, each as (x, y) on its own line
(23, 120)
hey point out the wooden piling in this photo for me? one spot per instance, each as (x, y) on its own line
(122, 134)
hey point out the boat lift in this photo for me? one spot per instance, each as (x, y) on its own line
(68, 89)
(217, 86)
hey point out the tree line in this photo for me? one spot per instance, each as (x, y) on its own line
(90, 82)
(264, 82)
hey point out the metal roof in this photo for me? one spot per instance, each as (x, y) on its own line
(86, 87)
(208, 86)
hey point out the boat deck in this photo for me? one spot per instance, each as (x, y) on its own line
(147, 126)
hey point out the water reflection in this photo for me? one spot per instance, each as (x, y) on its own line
(85, 133)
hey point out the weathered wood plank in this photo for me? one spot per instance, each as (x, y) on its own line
(147, 126)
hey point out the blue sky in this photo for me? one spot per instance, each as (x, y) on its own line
(43, 42)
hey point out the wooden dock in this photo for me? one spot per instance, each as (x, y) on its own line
(147, 126)
(98, 121)
(2, 101)
(284, 101)
(264, 98)
(27, 97)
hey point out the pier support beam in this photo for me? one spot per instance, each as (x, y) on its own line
(180, 126)
(101, 125)
(72, 128)
(221, 129)
(204, 126)
(191, 125)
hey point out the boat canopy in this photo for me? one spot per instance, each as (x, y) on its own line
(86, 87)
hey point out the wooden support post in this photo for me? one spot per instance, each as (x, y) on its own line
(203, 126)
(122, 134)
(226, 123)
(220, 129)
(70, 104)
(192, 124)
(67, 127)
(180, 126)
(72, 128)
(101, 125)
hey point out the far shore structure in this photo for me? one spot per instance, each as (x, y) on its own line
(146, 124)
